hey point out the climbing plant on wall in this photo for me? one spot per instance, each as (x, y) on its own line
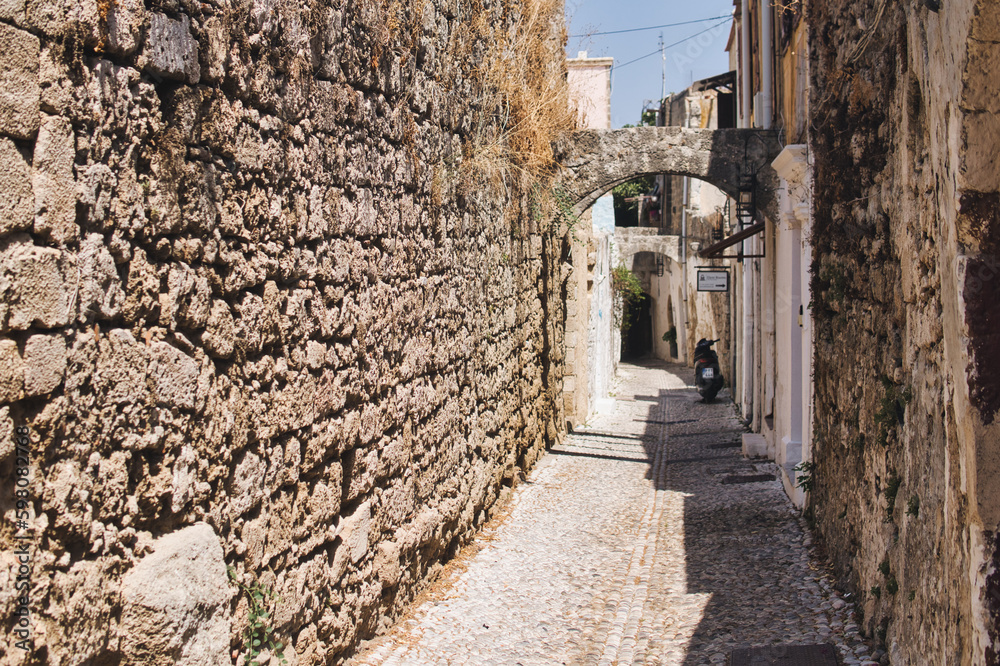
(625, 288)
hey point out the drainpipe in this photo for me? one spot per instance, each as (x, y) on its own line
(747, 74)
(747, 379)
(684, 261)
(684, 234)
(766, 76)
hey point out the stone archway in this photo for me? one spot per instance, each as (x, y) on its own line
(597, 160)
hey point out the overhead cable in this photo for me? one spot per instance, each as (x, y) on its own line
(651, 27)
(658, 51)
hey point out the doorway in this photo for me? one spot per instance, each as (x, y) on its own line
(637, 329)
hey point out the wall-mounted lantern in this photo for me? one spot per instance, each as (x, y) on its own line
(659, 266)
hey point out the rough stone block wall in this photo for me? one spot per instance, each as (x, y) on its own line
(257, 312)
(899, 430)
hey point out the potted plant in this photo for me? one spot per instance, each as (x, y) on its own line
(670, 337)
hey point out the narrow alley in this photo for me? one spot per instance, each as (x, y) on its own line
(645, 538)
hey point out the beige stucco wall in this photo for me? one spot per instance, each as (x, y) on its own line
(905, 283)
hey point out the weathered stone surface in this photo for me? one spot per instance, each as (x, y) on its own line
(121, 367)
(274, 320)
(187, 300)
(32, 286)
(248, 483)
(220, 335)
(126, 21)
(904, 284)
(355, 531)
(19, 92)
(11, 371)
(981, 168)
(597, 160)
(44, 363)
(171, 51)
(175, 602)
(174, 375)
(59, 18)
(7, 441)
(12, 10)
(53, 181)
(17, 201)
(387, 563)
(101, 293)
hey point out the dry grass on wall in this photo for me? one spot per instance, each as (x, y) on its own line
(525, 104)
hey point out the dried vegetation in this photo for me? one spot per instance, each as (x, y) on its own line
(525, 105)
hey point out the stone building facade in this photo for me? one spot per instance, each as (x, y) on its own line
(697, 213)
(264, 306)
(885, 239)
(772, 376)
(904, 141)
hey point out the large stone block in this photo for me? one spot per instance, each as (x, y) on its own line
(63, 18)
(53, 182)
(171, 51)
(19, 91)
(44, 363)
(101, 293)
(33, 291)
(126, 21)
(175, 376)
(121, 365)
(17, 202)
(175, 602)
(11, 371)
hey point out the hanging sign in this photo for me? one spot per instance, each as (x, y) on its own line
(713, 280)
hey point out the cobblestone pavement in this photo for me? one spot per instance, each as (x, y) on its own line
(644, 539)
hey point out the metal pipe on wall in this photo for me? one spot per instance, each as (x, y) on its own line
(684, 265)
(746, 70)
(766, 64)
(746, 79)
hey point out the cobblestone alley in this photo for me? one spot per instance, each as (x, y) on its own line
(645, 538)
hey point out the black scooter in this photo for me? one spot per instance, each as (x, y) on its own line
(707, 377)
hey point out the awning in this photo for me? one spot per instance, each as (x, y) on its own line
(714, 251)
(721, 82)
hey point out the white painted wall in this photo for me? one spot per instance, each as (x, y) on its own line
(793, 408)
(603, 338)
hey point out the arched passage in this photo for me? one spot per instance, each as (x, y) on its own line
(597, 160)
(594, 162)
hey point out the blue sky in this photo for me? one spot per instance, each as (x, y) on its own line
(632, 84)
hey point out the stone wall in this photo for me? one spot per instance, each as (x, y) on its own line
(262, 306)
(904, 136)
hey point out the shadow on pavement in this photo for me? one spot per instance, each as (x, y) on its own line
(742, 539)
